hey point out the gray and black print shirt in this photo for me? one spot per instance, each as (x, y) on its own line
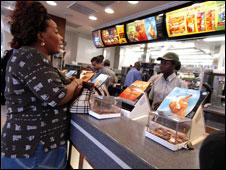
(33, 92)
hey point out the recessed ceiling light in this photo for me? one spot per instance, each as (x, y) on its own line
(52, 3)
(109, 10)
(9, 8)
(91, 17)
(133, 2)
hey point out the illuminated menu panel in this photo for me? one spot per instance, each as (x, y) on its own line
(146, 29)
(114, 35)
(110, 36)
(121, 34)
(198, 18)
(97, 39)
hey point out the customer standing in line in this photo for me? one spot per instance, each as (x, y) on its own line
(164, 83)
(97, 63)
(37, 127)
(133, 75)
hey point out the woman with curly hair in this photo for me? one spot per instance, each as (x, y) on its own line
(36, 130)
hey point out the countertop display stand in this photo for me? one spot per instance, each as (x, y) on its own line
(197, 131)
(141, 108)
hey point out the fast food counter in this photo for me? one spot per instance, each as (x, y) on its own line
(120, 143)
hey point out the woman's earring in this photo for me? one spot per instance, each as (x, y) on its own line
(43, 44)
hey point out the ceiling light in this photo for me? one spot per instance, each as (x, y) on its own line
(133, 2)
(91, 17)
(52, 3)
(109, 10)
(213, 39)
(9, 8)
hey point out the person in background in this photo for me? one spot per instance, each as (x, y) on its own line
(133, 75)
(97, 63)
(36, 131)
(113, 91)
(107, 66)
(212, 151)
(101, 57)
(107, 63)
(166, 81)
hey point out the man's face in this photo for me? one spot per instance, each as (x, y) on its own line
(96, 65)
(166, 66)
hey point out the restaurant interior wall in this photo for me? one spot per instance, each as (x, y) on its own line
(79, 48)
(109, 53)
(71, 47)
(6, 36)
(86, 50)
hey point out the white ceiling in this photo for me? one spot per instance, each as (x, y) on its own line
(122, 9)
(79, 22)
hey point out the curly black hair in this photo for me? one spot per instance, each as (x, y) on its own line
(27, 20)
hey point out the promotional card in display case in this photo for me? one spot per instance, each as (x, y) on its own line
(179, 121)
(132, 93)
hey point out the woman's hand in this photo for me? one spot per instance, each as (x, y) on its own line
(77, 82)
(78, 87)
(73, 90)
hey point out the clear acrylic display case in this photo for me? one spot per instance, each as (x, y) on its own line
(103, 107)
(172, 132)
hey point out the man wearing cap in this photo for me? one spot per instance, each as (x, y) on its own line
(164, 83)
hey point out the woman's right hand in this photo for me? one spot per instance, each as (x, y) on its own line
(77, 82)
(73, 90)
(78, 87)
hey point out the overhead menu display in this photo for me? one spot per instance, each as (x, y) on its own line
(121, 34)
(198, 18)
(114, 35)
(146, 29)
(110, 36)
(136, 31)
(97, 39)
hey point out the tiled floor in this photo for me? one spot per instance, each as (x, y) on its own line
(75, 153)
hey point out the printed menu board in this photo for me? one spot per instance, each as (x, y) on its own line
(146, 29)
(135, 90)
(198, 18)
(97, 39)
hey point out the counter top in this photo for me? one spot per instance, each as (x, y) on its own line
(128, 135)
